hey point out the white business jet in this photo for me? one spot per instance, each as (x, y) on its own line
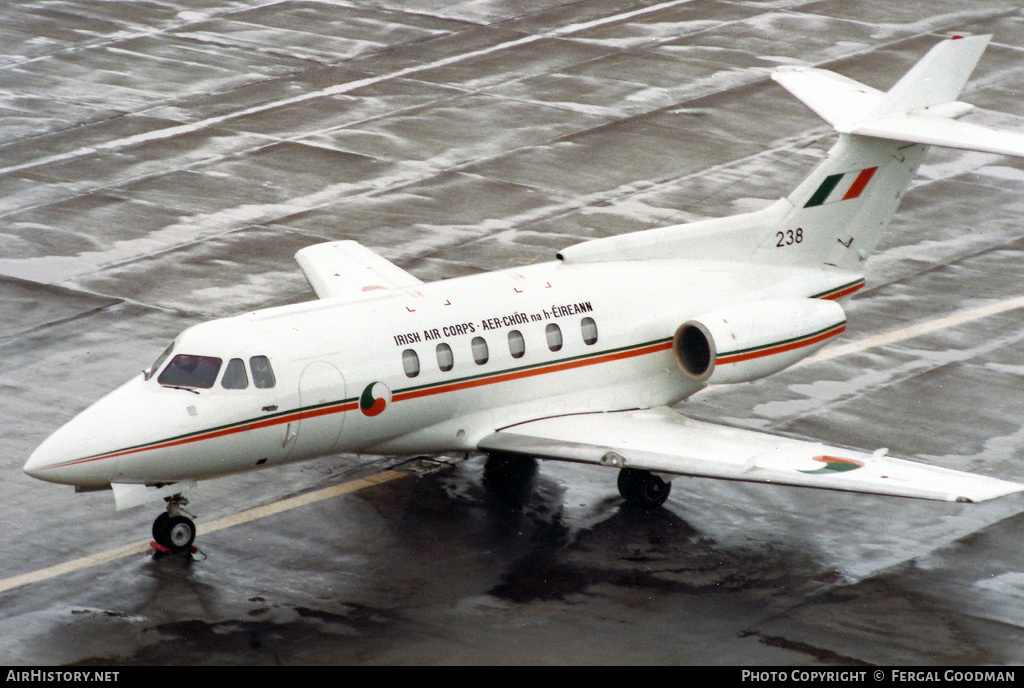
(577, 360)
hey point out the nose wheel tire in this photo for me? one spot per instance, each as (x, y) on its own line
(643, 488)
(176, 533)
(158, 525)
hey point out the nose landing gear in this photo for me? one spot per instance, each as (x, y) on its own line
(173, 531)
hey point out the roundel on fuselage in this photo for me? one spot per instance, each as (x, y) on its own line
(374, 399)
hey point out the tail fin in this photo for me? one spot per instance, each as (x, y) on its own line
(840, 211)
(836, 216)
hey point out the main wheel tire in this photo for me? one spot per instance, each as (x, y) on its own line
(177, 533)
(643, 488)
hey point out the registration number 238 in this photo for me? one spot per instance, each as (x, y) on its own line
(789, 237)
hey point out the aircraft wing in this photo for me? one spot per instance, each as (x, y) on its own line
(667, 443)
(346, 268)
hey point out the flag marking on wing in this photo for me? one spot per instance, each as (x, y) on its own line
(834, 464)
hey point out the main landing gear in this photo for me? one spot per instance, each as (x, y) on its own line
(172, 530)
(643, 488)
(509, 478)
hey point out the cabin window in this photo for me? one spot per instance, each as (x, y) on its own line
(445, 358)
(411, 363)
(589, 328)
(234, 375)
(262, 373)
(516, 344)
(554, 335)
(159, 361)
(480, 353)
(186, 370)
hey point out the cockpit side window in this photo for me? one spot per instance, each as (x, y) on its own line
(262, 373)
(234, 376)
(186, 370)
(159, 362)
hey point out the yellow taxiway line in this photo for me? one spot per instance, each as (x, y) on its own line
(201, 529)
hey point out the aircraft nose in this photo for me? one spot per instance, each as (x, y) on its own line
(46, 456)
(72, 455)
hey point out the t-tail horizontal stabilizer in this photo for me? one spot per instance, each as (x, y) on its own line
(836, 216)
(922, 107)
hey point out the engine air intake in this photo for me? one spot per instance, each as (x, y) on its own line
(749, 341)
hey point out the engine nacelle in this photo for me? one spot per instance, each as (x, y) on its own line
(749, 341)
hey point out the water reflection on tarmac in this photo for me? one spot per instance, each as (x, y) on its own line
(161, 163)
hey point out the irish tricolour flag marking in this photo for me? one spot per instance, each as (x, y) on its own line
(833, 464)
(841, 187)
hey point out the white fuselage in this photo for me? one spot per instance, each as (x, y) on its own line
(346, 382)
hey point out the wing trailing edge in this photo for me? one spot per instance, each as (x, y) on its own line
(348, 269)
(665, 442)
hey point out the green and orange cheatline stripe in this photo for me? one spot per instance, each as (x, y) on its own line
(445, 387)
(408, 393)
(782, 346)
(222, 431)
(841, 291)
(533, 370)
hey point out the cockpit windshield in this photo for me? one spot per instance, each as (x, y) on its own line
(151, 370)
(201, 372)
(186, 370)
